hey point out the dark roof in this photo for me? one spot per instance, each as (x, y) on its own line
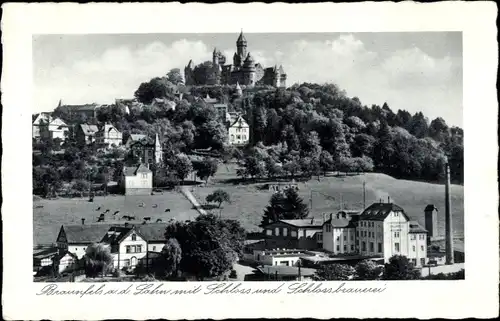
(81, 107)
(82, 234)
(241, 38)
(416, 228)
(137, 137)
(307, 222)
(89, 129)
(152, 231)
(340, 222)
(134, 170)
(240, 120)
(379, 211)
(430, 207)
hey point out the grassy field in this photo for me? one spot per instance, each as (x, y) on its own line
(248, 201)
(48, 220)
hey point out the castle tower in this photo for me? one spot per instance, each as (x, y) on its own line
(239, 91)
(431, 222)
(188, 73)
(241, 45)
(249, 71)
(215, 57)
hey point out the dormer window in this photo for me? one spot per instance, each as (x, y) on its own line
(134, 237)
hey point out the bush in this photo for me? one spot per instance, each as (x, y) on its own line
(233, 274)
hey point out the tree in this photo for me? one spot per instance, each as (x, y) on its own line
(97, 260)
(175, 76)
(210, 245)
(205, 168)
(253, 167)
(419, 125)
(335, 272)
(368, 270)
(400, 268)
(155, 88)
(326, 161)
(168, 263)
(218, 196)
(438, 129)
(183, 166)
(286, 205)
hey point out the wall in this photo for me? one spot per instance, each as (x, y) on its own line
(243, 133)
(77, 249)
(128, 241)
(370, 235)
(155, 247)
(417, 248)
(139, 185)
(339, 240)
(395, 222)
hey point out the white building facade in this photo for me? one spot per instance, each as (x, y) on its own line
(239, 132)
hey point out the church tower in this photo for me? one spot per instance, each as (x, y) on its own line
(241, 45)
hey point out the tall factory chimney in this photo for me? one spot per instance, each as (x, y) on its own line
(431, 222)
(448, 218)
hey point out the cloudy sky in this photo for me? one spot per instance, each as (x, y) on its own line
(412, 71)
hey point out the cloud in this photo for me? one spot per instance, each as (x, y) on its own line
(407, 79)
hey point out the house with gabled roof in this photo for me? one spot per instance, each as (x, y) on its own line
(86, 133)
(238, 131)
(149, 150)
(136, 180)
(38, 121)
(76, 238)
(300, 233)
(108, 135)
(384, 229)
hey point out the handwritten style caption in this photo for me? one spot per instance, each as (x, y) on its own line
(145, 289)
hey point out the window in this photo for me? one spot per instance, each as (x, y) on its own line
(421, 248)
(345, 248)
(269, 232)
(277, 231)
(154, 248)
(414, 248)
(414, 262)
(338, 248)
(363, 247)
(134, 237)
(372, 247)
(293, 233)
(128, 249)
(232, 137)
(357, 233)
(352, 247)
(285, 231)
(422, 261)
(396, 234)
(380, 247)
(352, 237)
(238, 136)
(345, 237)
(138, 249)
(412, 237)
(396, 214)
(126, 262)
(338, 238)
(304, 233)
(244, 137)
(396, 247)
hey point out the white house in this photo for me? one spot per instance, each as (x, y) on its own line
(385, 230)
(137, 180)
(76, 238)
(58, 129)
(339, 234)
(65, 261)
(238, 132)
(131, 245)
(109, 135)
(286, 257)
(38, 121)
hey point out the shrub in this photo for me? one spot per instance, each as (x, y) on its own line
(233, 274)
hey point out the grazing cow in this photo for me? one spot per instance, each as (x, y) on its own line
(100, 219)
(39, 206)
(106, 211)
(131, 218)
(125, 217)
(155, 205)
(116, 213)
(158, 220)
(98, 209)
(147, 218)
(144, 223)
(167, 210)
(142, 204)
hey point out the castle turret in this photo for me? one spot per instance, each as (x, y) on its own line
(241, 45)
(215, 57)
(188, 73)
(239, 91)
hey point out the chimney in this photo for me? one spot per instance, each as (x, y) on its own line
(431, 222)
(83, 221)
(448, 217)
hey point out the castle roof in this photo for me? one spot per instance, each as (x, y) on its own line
(241, 38)
(379, 211)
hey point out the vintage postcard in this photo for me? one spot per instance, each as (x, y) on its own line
(249, 161)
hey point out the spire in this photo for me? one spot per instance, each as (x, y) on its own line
(215, 50)
(241, 38)
(60, 103)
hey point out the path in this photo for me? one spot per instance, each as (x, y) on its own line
(190, 197)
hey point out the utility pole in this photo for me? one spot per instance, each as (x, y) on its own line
(364, 194)
(448, 217)
(311, 199)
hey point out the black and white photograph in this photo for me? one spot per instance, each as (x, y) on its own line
(248, 156)
(240, 162)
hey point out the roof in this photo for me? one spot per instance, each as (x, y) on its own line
(307, 222)
(81, 107)
(415, 227)
(285, 270)
(115, 234)
(379, 211)
(239, 120)
(137, 137)
(220, 105)
(82, 234)
(63, 254)
(209, 100)
(134, 170)
(340, 222)
(241, 38)
(430, 207)
(89, 129)
(152, 231)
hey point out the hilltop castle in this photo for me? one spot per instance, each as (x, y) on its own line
(243, 71)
